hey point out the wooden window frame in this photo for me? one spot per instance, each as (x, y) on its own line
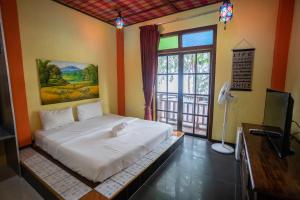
(193, 30)
(195, 49)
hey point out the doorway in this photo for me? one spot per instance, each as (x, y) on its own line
(185, 80)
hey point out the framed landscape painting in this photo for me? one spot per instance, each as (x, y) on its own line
(62, 81)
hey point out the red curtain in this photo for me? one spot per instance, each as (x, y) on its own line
(149, 39)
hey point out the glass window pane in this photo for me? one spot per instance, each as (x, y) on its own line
(173, 83)
(202, 86)
(189, 84)
(197, 39)
(161, 101)
(201, 125)
(203, 62)
(173, 64)
(188, 104)
(201, 105)
(161, 83)
(189, 63)
(161, 116)
(170, 42)
(187, 123)
(162, 65)
(172, 102)
(172, 119)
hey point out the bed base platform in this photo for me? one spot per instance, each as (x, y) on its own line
(55, 181)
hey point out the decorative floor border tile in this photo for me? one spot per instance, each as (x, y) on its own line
(70, 188)
(108, 188)
(134, 169)
(113, 185)
(56, 178)
(122, 177)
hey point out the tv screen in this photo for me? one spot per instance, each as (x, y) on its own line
(278, 119)
(276, 109)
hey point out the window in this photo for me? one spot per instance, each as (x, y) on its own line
(184, 80)
(197, 39)
(186, 40)
(167, 89)
(170, 42)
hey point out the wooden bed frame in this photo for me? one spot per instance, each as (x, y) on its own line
(129, 189)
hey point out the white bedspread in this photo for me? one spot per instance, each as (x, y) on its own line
(89, 149)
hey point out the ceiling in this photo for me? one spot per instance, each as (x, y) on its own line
(133, 11)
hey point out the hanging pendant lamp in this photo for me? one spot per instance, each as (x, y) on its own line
(226, 12)
(119, 21)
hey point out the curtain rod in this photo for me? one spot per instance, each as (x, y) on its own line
(189, 17)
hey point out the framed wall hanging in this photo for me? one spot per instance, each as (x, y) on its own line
(242, 67)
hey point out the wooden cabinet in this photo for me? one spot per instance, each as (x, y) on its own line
(246, 187)
(247, 192)
(265, 176)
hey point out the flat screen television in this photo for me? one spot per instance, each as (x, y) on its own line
(278, 118)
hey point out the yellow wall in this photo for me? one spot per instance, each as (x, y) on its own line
(254, 21)
(293, 70)
(52, 31)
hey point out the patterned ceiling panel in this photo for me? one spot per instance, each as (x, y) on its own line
(151, 14)
(188, 4)
(133, 11)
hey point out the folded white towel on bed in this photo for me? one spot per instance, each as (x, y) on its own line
(119, 129)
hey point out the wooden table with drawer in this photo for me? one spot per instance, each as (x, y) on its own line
(264, 175)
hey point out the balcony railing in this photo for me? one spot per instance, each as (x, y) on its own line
(194, 111)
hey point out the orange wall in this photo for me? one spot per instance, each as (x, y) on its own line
(15, 65)
(282, 43)
(120, 71)
(292, 79)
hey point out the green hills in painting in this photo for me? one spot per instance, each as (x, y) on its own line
(64, 81)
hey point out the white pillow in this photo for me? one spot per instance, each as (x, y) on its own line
(89, 110)
(56, 118)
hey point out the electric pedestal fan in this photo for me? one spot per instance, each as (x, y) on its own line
(224, 97)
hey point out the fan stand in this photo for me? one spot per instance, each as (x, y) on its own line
(222, 147)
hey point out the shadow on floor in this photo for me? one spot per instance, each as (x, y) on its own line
(194, 171)
(16, 188)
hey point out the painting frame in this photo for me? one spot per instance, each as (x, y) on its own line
(66, 81)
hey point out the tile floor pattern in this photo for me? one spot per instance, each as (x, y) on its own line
(55, 177)
(70, 188)
(193, 172)
(111, 186)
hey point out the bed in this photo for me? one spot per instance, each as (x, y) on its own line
(89, 149)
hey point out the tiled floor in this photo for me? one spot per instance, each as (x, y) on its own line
(194, 171)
